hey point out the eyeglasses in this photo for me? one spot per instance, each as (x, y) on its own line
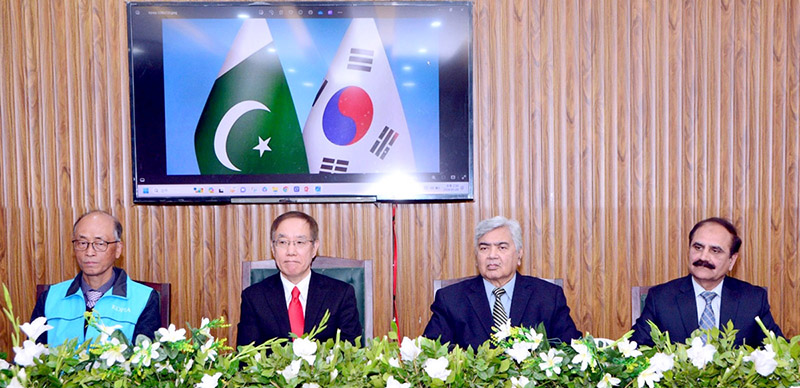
(99, 246)
(299, 244)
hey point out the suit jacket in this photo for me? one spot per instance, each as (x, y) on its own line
(672, 306)
(463, 317)
(266, 316)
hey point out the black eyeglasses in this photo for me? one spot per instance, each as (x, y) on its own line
(99, 246)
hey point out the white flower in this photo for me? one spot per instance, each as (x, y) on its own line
(700, 354)
(628, 348)
(763, 360)
(292, 370)
(583, 357)
(145, 352)
(409, 351)
(503, 331)
(168, 367)
(608, 381)
(520, 382)
(534, 339)
(649, 377)
(519, 351)
(28, 352)
(4, 364)
(392, 383)
(550, 362)
(19, 380)
(171, 335)
(334, 373)
(107, 331)
(394, 362)
(204, 329)
(662, 362)
(437, 368)
(310, 385)
(208, 381)
(189, 365)
(34, 329)
(206, 349)
(305, 349)
(114, 352)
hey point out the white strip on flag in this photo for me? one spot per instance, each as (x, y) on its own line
(357, 115)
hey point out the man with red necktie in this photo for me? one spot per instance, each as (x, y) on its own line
(295, 299)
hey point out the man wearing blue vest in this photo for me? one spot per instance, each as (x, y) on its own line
(100, 287)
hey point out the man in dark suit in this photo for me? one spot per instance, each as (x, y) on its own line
(707, 297)
(466, 313)
(294, 300)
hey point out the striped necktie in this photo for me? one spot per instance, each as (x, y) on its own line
(499, 315)
(92, 296)
(707, 318)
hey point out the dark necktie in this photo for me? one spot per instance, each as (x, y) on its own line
(499, 315)
(296, 319)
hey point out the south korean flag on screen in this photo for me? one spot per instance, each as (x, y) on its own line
(356, 123)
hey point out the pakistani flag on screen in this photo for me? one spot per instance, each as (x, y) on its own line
(249, 124)
(356, 123)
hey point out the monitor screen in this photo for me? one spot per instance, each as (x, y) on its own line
(234, 102)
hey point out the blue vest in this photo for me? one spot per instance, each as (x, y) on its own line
(65, 311)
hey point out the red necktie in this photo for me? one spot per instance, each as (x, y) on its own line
(296, 319)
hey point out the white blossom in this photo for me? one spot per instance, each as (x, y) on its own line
(519, 351)
(662, 362)
(503, 331)
(19, 380)
(520, 382)
(206, 349)
(34, 329)
(292, 370)
(763, 360)
(204, 329)
(114, 352)
(550, 362)
(583, 357)
(145, 352)
(4, 364)
(649, 377)
(310, 385)
(394, 362)
(305, 349)
(208, 381)
(437, 368)
(392, 383)
(534, 339)
(700, 354)
(409, 351)
(334, 374)
(107, 331)
(28, 352)
(628, 348)
(170, 334)
(608, 381)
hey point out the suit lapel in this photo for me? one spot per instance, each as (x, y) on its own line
(522, 293)
(480, 305)
(729, 304)
(275, 299)
(314, 302)
(687, 304)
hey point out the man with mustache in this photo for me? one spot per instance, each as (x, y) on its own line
(707, 297)
(295, 299)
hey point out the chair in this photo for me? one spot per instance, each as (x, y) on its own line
(357, 273)
(163, 290)
(440, 283)
(638, 295)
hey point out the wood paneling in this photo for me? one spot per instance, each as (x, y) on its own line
(608, 128)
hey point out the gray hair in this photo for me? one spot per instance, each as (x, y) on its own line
(117, 224)
(491, 224)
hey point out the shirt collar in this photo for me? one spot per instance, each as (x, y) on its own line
(102, 289)
(302, 285)
(698, 289)
(508, 287)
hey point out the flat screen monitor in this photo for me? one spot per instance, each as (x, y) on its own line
(316, 102)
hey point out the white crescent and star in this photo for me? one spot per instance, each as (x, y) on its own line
(224, 129)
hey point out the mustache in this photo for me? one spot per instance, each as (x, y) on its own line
(703, 263)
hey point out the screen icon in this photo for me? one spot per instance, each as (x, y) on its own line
(318, 189)
(146, 190)
(297, 189)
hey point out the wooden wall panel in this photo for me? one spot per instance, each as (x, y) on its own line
(607, 128)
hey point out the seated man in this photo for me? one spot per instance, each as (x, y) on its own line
(465, 313)
(707, 297)
(99, 287)
(295, 299)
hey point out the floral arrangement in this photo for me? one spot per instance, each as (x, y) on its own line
(516, 357)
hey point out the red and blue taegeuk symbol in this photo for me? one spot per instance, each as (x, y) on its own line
(347, 116)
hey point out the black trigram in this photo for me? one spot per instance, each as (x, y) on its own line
(384, 142)
(332, 166)
(360, 59)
